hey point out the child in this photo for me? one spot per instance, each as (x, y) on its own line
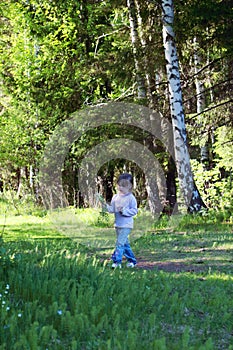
(124, 207)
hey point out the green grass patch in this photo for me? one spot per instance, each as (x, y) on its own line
(60, 293)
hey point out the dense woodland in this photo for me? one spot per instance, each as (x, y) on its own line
(58, 57)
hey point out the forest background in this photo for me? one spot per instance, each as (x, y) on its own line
(58, 57)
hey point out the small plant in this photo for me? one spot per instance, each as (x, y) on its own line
(6, 258)
(103, 219)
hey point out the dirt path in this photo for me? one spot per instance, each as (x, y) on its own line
(169, 266)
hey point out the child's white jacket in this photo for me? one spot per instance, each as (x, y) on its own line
(124, 206)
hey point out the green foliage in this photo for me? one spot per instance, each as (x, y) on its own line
(10, 204)
(194, 17)
(103, 219)
(6, 260)
(224, 148)
(56, 57)
(216, 188)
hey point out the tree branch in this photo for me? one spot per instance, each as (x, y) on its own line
(205, 67)
(125, 94)
(105, 35)
(210, 88)
(210, 108)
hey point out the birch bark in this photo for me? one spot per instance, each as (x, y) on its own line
(135, 45)
(190, 194)
(146, 63)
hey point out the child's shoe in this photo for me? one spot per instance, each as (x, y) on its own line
(116, 265)
(130, 264)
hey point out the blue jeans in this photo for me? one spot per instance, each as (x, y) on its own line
(123, 246)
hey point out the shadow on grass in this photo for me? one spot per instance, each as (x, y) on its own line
(198, 248)
(186, 252)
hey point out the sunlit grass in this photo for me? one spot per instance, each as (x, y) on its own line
(27, 227)
(56, 273)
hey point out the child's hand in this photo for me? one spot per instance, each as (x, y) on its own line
(102, 201)
(120, 209)
(100, 198)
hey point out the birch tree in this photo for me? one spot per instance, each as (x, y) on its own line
(135, 40)
(191, 196)
(146, 63)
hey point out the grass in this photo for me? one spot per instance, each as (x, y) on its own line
(57, 290)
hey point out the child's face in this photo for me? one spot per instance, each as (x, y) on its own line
(124, 187)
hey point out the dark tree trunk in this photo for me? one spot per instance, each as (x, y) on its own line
(171, 198)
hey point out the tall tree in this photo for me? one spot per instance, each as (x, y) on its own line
(144, 93)
(136, 46)
(201, 100)
(191, 195)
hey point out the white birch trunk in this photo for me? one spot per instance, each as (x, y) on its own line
(188, 189)
(20, 184)
(146, 62)
(135, 44)
(199, 85)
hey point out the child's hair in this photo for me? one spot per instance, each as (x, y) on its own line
(125, 180)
